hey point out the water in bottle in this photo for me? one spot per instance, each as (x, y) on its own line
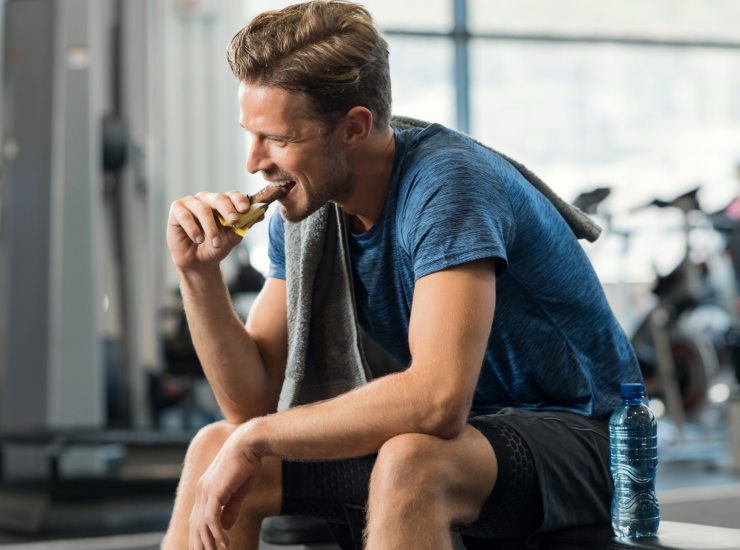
(633, 440)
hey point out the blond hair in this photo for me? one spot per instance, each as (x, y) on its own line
(329, 50)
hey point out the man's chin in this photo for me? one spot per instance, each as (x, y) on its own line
(295, 215)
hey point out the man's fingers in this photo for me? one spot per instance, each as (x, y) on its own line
(206, 539)
(217, 536)
(204, 213)
(181, 216)
(206, 530)
(240, 200)
(228, 205)
(219, 494)
(194, 535)
(196, 214)
(200, 535)
(212, 518)
(195, 217)
(204, 217)
(212, 515)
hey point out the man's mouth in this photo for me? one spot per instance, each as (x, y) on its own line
(288, 185)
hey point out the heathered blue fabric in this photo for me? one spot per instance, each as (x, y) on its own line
(555, 344)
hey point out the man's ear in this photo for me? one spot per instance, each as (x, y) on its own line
(358, 123)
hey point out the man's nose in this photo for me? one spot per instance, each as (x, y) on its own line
(258, 158)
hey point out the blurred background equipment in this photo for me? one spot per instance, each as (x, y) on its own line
(687, 330)
(79, 268)
(49, 276)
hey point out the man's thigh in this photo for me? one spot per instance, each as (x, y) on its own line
(462, 469)
(544, 464)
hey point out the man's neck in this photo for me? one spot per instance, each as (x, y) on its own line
(372, 167)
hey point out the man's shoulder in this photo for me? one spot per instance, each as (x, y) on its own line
(432, 138)
(441, 150)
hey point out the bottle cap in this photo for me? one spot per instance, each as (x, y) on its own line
(631, 391)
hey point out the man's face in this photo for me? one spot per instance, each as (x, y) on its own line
(287, 145)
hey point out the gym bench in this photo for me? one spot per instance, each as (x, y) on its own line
(671, 536)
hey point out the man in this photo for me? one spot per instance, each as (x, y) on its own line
(495, 426)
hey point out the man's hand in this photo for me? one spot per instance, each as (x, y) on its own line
(194, 236)
(221, 491)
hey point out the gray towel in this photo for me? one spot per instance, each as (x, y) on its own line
(328, 353)
(324, 354)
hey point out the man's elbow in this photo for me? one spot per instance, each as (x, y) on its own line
(239, 413)
(445, 417)
(235, 419)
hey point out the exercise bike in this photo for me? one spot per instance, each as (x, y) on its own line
(686, 339)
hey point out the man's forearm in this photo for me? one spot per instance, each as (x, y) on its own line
(230, 358)
(358, 422)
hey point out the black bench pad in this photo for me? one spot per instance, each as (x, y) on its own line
(671, 536)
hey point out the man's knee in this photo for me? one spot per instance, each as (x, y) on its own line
(208, 441)
(409, 464)
(264, 498)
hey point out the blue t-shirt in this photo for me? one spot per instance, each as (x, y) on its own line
(555, 343)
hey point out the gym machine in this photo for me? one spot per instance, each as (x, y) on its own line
(79, 262)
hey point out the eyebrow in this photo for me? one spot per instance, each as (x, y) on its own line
(286, 135)
(261, 133)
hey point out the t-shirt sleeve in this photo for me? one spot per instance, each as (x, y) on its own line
(276, 246)
(458, 210)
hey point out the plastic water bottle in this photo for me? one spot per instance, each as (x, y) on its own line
(633, 439)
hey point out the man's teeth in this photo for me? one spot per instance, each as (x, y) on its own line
(278, 184)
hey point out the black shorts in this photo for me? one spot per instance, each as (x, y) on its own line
(553, 473)
(571, 484)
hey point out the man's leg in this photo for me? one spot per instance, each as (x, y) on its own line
(422, 485)
(263, 501)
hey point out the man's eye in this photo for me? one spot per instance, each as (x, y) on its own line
(278, 140)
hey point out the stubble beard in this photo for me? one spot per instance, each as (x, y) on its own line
(331, 190)
(333, 186)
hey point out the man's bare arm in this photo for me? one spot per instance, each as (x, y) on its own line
(245, 371)
(244, 365)
(451, 320)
